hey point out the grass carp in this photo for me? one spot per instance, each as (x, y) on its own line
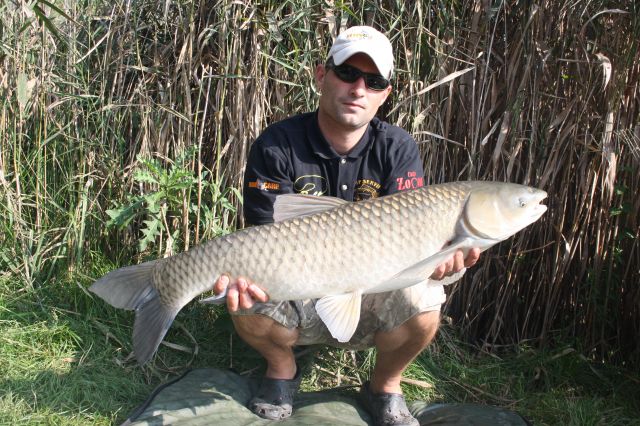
(329, 249)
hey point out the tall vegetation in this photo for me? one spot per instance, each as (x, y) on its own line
(124, 128)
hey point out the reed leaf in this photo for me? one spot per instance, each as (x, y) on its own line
(544, 94)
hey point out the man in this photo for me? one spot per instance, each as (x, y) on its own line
(340, 150)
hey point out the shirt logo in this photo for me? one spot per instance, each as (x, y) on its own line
(366, 189)
(310, 185)
(264, 185)
(412, 181)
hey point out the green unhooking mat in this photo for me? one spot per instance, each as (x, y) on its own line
(209, 396)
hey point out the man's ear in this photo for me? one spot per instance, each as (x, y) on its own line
(387, 92)
(321, 71)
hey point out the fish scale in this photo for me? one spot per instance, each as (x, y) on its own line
(332, 250)
(322, 244)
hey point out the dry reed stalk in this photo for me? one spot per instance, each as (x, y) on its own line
(543, 94)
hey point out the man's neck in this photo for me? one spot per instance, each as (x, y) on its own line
(341, 140)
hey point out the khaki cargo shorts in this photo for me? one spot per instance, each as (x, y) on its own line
(380, 311)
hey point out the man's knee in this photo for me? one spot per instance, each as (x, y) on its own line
(261, 327)
(418, 331)
(425, 322)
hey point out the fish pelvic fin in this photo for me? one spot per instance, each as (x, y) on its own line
(341, 314)
(132, 288)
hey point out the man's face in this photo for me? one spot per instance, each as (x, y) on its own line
(349, 105)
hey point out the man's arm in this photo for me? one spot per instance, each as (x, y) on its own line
(267, 175)
(406, 173)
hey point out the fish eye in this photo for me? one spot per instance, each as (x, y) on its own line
(522, 202)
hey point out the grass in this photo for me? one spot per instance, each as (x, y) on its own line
(140, 83)
(557, 386)
(59, 368)
(135, 80)
(66, 361)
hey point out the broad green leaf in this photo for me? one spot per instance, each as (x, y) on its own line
(151, 164)
(122, 216)
(23, 92)
(144, 176)
(153, 202)
(149, 232)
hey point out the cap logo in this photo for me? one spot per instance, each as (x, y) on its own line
(357, 36)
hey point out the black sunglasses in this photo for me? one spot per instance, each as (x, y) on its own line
(350, 74)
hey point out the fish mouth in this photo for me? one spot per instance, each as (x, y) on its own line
(537, 213)
(539, 209)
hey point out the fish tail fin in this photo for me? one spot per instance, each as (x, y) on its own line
(127, 288)
(153, 319)
(132, 288)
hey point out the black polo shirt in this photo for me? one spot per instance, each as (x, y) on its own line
(292, 156)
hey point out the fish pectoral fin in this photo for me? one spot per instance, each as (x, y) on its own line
(447, 280)
(216, 299)
(340, 314)
(288, 206)
(421, 271)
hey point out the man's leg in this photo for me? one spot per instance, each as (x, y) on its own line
(398, 347)
(382, 396)
(273, 341)
(274, 398)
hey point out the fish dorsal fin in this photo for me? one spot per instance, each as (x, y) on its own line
(341, 314)
(288, 206)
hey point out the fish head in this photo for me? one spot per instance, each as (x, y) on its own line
(496, 210)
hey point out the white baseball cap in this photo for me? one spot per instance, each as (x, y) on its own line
(367, 40)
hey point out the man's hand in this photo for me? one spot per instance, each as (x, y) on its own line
(241, 294)
(456, 263)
